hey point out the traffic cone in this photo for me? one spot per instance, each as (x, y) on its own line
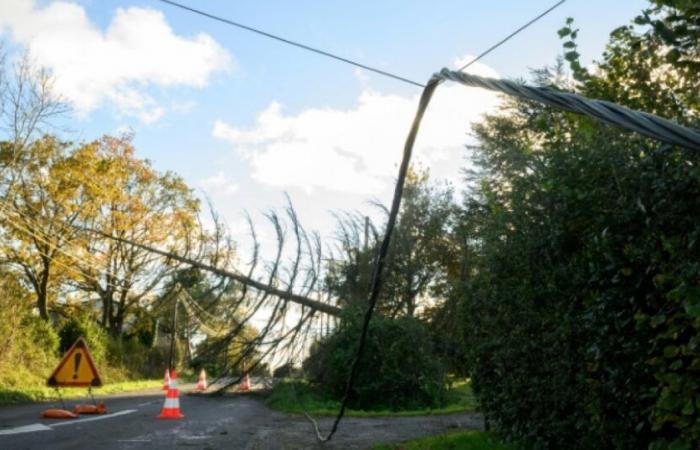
(245, 384)
(166, 380)
(171, 407)
(202, 383)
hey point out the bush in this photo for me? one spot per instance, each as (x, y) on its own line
(582, 313)
(399, 369)
(28, 344)
(83, 325)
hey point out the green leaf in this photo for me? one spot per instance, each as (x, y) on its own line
(572, 56)
(679, 445)
(670, 351)
(564, 32)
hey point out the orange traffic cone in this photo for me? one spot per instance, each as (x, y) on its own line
(202, 383)
(245, 384)
(166, 380)
(171, 407)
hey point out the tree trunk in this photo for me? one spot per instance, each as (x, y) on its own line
(42, 292)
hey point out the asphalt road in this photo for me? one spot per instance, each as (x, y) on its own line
(231, 422)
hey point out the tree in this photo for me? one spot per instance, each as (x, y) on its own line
(134, 202)
(52, 193)
(580, 297)
(29, 105)
(419, 258)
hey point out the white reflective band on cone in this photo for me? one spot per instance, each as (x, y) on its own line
(171, 403)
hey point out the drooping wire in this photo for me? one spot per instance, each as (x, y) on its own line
(293, 43)
(511, 35)
(641, 122)
(347, 60)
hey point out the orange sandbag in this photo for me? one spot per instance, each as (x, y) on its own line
(100, 408)
(55, 413)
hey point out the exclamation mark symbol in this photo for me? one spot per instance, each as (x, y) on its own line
(76, 364)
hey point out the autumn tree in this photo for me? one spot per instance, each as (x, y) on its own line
(52, 193)
(134, 202)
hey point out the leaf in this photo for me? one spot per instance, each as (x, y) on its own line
(670, 351)
(678, 444)
(563, 32)
(572, 56)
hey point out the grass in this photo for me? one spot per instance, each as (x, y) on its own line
(35, 393)
(463, 440)
(295, 397)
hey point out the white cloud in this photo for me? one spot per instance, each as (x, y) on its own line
(116, 65)
(219, 184)
(357, 150)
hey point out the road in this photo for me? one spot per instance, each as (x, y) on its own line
(232, 422)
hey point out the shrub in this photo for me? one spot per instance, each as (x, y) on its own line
(285, 371)
(582, 311)
(29, 345)
(398, 370)
(83, 325)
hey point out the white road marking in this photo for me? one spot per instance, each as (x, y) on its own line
(106, 416)
(26, 429)
(146, 403)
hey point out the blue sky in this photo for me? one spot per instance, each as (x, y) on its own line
(245, 118)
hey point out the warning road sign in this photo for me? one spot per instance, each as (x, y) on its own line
(76, 369)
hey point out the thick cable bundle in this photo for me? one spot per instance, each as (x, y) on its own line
(610, 113)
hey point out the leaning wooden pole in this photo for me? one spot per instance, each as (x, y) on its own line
(286, 295)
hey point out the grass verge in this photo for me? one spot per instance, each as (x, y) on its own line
(463, 440)
(36, 393)
(295, 397)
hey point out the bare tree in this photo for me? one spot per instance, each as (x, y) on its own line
(29, 103)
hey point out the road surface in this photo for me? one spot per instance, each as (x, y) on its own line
(232, 422)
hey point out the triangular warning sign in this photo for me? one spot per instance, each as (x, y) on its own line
(76, 369)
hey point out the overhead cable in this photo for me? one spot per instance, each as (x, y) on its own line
(291, 42)
(348, 60)
(641, 122)
(514, 33)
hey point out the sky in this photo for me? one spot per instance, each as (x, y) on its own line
(245, 119)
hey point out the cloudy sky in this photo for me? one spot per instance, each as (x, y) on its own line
(245, 119)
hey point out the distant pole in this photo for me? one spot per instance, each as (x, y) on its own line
(366, 232)
(172, 336)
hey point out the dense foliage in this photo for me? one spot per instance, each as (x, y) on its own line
(398, 370)
(581, 305)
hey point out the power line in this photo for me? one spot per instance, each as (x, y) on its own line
(511, 35)
(641, 122)
(347, 60)
(294, 43)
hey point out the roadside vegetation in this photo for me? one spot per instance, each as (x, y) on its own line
(562, 277)
(465, 440)
(38, 391)
(299, 397)
(62, 278)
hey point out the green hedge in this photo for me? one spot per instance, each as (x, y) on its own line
(399, 368)
(582, 314)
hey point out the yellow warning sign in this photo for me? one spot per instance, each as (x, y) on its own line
(76, 369)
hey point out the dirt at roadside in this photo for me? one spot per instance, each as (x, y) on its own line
(282, 431)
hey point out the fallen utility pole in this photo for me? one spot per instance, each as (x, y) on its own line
(295, 298)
